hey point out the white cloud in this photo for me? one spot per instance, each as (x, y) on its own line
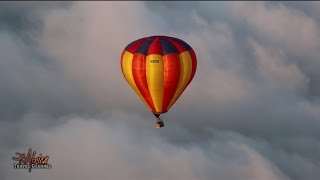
(280, 24)
(276, 73)
(86, 41)
(91, 149)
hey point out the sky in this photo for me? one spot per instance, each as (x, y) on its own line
(251, 112)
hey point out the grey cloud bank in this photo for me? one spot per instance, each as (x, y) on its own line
(251, 112)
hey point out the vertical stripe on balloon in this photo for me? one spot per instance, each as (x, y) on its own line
(194, 67)
(126, 66)
(155, 79)
(194, 64)
(121, 61)
(185, 73)
(171, 64)
(155, 47)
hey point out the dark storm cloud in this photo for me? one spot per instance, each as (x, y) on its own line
(252, 111)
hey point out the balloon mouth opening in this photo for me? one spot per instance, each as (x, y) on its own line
(156, 115)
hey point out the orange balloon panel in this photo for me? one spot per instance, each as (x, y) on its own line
(158, 68)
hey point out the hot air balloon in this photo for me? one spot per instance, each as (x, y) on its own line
(158, 68)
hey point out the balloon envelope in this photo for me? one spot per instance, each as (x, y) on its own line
(158, 68)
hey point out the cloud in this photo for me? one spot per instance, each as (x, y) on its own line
(280, 23)
(91, 149)
(294, 30)
(84, 40)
